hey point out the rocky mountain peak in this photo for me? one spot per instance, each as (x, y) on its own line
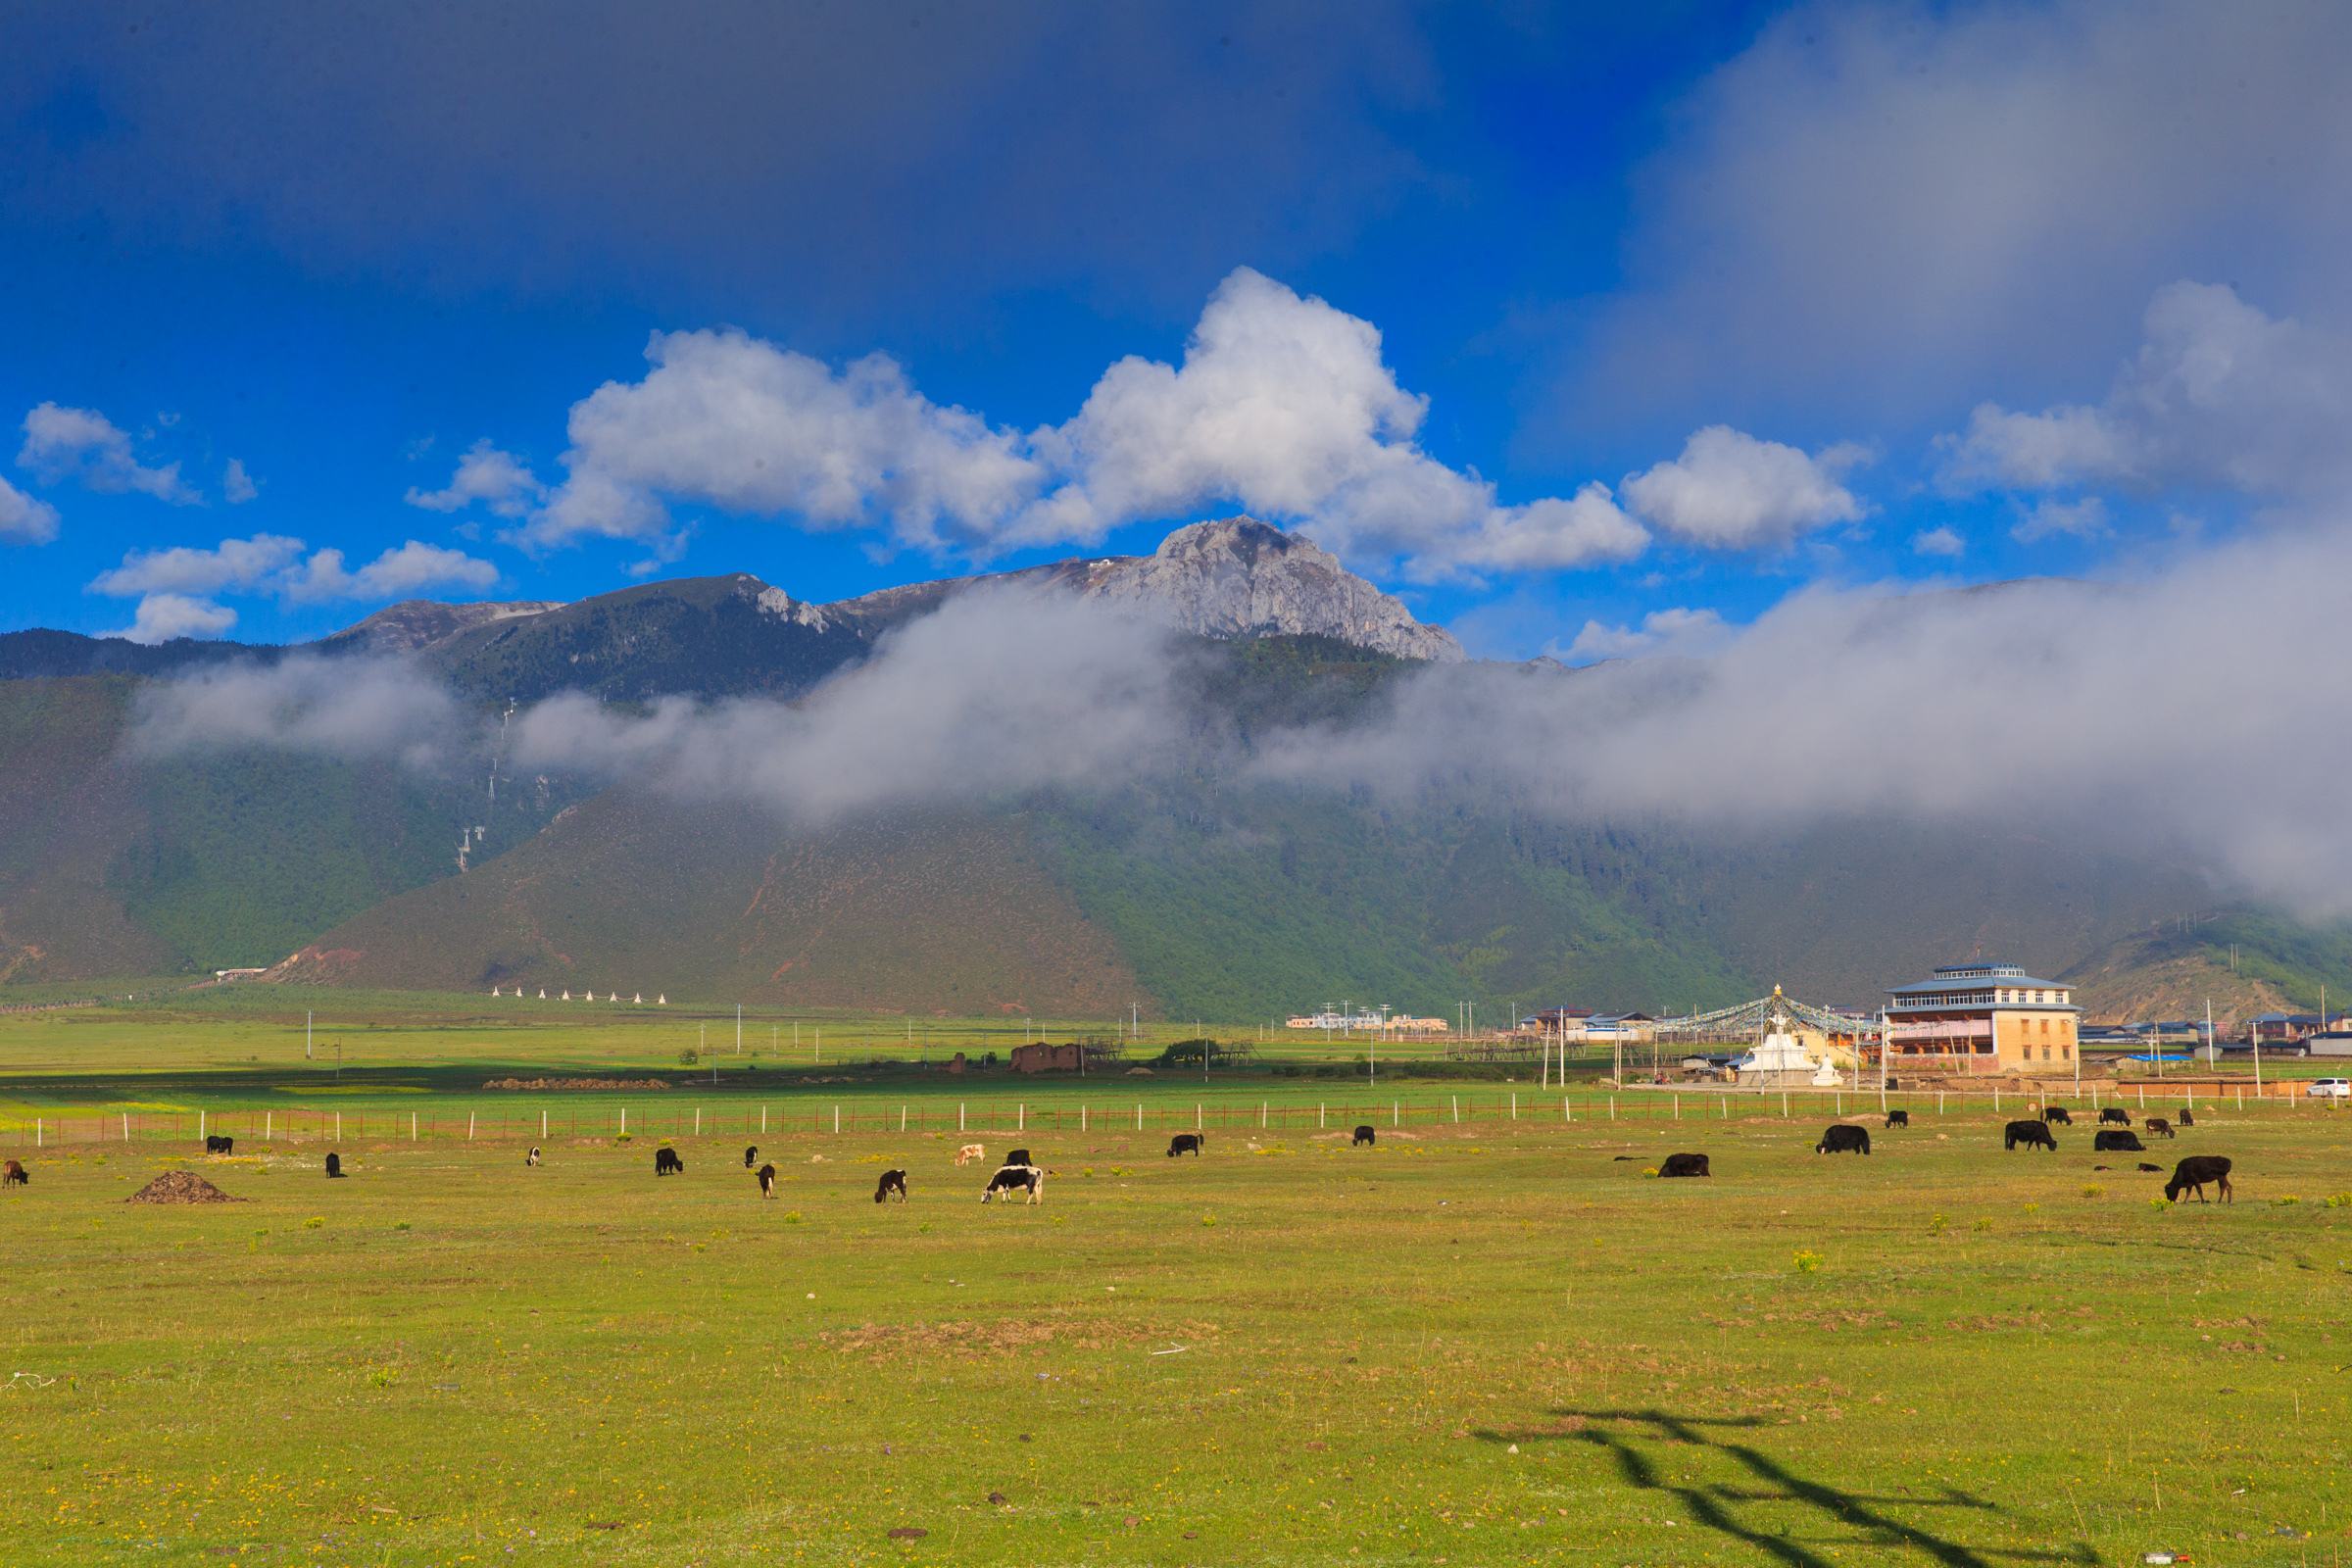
(1239, 577)
(416, 624)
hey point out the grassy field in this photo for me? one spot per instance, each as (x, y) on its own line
(1480, 1344)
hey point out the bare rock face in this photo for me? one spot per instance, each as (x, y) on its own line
(1245, 579)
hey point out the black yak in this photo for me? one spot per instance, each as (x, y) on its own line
(2192, 1173)
(1843, 1139)
(334, 1167)
(767, 1181)
(214, 1144)
(665, 1160)
(1685, 1165)
(15, 1176)
(1364, 1135)
(2114, 1115)
(1185, 1144)
(2056, 1117)
(2031, 1134)
(2117, 1140)
(1898, 1118)
(2158, 1127)
(893, 1181)
(751, 1156)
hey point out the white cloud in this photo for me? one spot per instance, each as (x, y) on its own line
(2218, 394)
(1938, 541)
(348, 708)
(2052, 519)
(25, 520)
(727, 419)
(236, 485)
(231, 564)
(1873, 203)
(498, 479)
(163, 616)
(413, 568)
(1676, 630)
(1731, 491)
(85, 445)
(1282, 406)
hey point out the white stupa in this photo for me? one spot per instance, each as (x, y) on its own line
(1779, 1060)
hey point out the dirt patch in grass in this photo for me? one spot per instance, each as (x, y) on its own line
(1007, 1337)
(180, 1186)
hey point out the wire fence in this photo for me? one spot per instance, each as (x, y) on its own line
(733, 1119)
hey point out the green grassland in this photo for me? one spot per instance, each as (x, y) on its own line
(1476, 1344)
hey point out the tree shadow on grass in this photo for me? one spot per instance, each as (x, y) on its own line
(1716, 1505)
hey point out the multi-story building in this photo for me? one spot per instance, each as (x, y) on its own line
(1981, 1017)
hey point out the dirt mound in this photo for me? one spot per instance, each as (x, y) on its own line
(180, 1186)
(575, 1083)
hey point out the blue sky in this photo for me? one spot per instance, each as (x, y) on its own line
(1588, 333)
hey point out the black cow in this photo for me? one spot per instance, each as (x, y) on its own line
(334, 1167)
(1027, 1179)
(2144, 1165)
(2117, 1140)
(2114, 1115)
(666, 1160)
(1019, 1157)
(2188, 1117)
(2031, 1134)
(13, 1175)
(214, 1144)
(893, 1181)
(2056, 1117)
(767, 1181)
(1898, 1118)
(751, 1156)
(2158, 1127)
(532, 1158)
(1185, 1144)
(1843, 1139)
(1364, 1135)
(2191, 1175)
(1685, 1165)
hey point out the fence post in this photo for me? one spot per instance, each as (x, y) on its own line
(1082, 1115)
(1939, 1102)
(1997, 1097)
(1514, 1105)
(1395, 1114)
(127, 1126)
(2144, 1092)
(339, 1126)
(1457, 1109)
(1197, 1122)
(470, 1126)
(1566, 1115)
(1784, 1102)
(625, 1121)
(412, 1126)
(200, 1126)
(542, 1122)
(1318, 1117)
(1139, 1115)
(763, 1121)
(39, 1135)
(1021, 1117)
(959, 1115)
(1261, 1115)
(1677, 1107)
(1612, 1107)
(837, 1119)
(902, 1120)
(270, 1125)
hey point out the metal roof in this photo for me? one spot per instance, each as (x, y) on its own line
(2005, 982)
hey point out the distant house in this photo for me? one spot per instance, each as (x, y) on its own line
(2286, 1028)
(1041, 1056)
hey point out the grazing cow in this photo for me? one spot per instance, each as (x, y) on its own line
(1012, 1178)
(767, 1181)
(532, 1158)
(2158, 1127)
(969, 1153)
(1185, 1144)
(214, 1144)
(1019, 1157)
(1364, 1135)
(1685, 1165)
(666, 1160)
(2117, 1140)
(2191, 1175)
(751, 1156)
(2188, 1117)
(2031, 1134)
(2144, 1165)
(15, 1176)
(334, 1167)
(1843, 1139)
(893, 1181)
(1898, 1118)
(2114, 1115)
(2056, 1117)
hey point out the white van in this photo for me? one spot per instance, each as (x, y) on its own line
(2328, 1088)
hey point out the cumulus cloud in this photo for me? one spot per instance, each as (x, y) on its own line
(1731, 491)
(25, 520)
(2218, 394)
(178, 582)
(1939, 541)
(354, 709)
(1282, 406)
(162, 617)
(485, 474)
(1679, 630)
(1987, 189)
(414, 568)
(184, 570)
(236, 485)
(85, 445)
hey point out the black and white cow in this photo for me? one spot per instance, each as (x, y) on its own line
(1009, 1179)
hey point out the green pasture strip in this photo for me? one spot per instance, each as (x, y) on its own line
(1497, 1343)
